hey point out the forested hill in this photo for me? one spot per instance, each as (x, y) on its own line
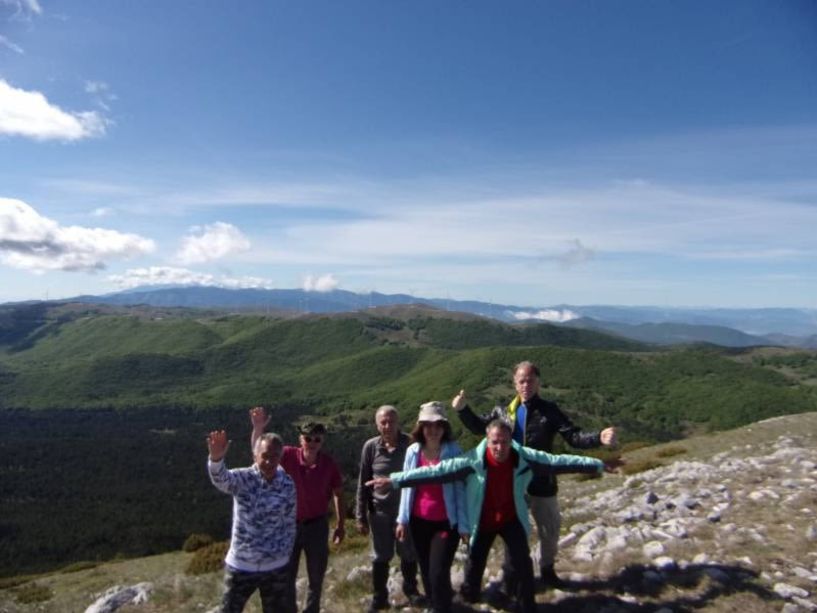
(103, 410)
(80, 356)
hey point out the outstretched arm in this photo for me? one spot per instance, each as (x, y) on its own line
(544, 462)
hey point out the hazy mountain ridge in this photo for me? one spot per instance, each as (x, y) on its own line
(796, 324)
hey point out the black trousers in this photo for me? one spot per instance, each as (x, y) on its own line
(276, 587)
(312, 537)
(435, 543)
(516, 544)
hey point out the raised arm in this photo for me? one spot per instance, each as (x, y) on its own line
(469, 419)
(259, 420)
(217, 446)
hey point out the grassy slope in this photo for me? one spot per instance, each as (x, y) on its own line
(176, 591)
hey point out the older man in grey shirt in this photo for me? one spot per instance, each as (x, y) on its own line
(376, 509)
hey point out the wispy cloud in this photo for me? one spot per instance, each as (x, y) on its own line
(102, 211)
(21, 9)
(168, 275)
(575, 256)
(101, 93)
(323, 283)
(211, 242)
(30, 115)
(36, 243)
(5, 42)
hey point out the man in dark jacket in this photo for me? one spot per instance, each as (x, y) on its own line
(376, 508)
(535, 423)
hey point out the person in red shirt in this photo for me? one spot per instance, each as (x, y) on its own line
(497, 473)
(317, 481)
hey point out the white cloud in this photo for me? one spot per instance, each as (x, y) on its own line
(102, 211)
(32, 242)
(168, 275)
(553, 315)
(31, 115)
(211, 242)
(324, 283)
(5, 42)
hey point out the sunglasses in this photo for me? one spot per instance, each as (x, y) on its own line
(312, 439)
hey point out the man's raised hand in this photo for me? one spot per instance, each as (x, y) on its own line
(459, 402)
(259, 418)
(608, 437)
(217, 445)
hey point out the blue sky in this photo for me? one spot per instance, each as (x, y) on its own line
(531, 153)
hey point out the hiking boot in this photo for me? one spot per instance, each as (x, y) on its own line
(549, 577)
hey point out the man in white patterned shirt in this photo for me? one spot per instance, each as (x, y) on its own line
(263, 531)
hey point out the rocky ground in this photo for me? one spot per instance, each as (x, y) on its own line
(722, 522)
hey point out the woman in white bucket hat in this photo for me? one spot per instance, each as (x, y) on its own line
(435, 513)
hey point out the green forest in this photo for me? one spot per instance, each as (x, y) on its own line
(103, 410)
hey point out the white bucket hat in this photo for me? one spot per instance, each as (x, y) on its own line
(432, 411)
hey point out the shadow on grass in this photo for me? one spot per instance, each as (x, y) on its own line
(702, 585)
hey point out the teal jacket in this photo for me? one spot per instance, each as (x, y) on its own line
(471, 467)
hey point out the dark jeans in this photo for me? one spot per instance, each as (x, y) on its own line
(312, 537)
(516, 542)
(384, 542)
(435, 543)
(276, 587)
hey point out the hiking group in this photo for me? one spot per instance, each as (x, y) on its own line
(418, 496)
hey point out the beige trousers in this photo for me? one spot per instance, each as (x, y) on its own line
(548, 520)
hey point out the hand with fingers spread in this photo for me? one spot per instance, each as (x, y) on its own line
(217, 445)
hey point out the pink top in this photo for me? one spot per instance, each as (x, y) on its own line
(313, 484)
(429, 503)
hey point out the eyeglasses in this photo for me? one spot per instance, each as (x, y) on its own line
(312, 439)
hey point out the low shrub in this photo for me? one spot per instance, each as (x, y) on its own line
(639, 466)
(208, 559)
(78, 566)
(10, 582)
(196, 541)
(33, 592)
(672, 450)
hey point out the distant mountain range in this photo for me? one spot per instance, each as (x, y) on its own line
(659, 325)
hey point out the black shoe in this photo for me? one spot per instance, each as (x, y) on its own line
(550, 579)
(416, 599)
(378, 604)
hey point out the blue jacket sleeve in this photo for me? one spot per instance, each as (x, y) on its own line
(404, 511)
(447, 471)
(544, 462)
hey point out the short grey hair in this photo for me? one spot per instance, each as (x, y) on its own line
(386, 408)
(271, 438)
(500, 424)
(527, 365)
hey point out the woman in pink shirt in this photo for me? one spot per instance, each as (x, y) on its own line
(435, 514)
